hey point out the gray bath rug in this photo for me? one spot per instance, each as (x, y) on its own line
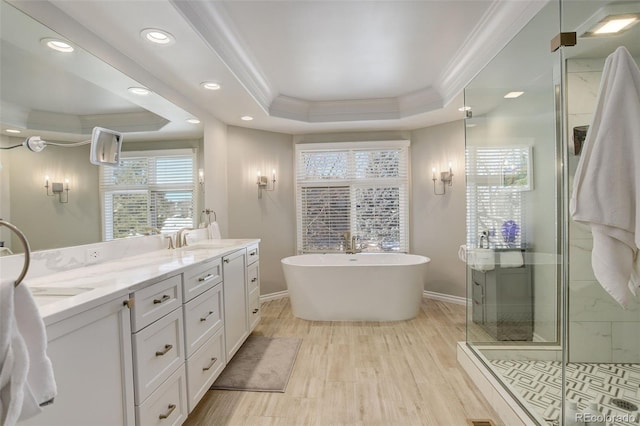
(262, 364)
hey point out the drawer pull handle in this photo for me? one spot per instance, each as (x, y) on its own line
(255, 311)
(168, 413)
(206, 278)
(164, 299)
(204, 318)
(253, 280)
(253, 253)
(167, 348)
(213, 361)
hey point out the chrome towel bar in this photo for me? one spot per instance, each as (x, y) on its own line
(25, 245)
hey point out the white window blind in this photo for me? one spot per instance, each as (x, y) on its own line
(360, 187)
(149, 189)
(491, 202)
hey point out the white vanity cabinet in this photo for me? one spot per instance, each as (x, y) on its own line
(253, 286)
(159, 353)
(236, 320)
(204, 327)
(92, 360)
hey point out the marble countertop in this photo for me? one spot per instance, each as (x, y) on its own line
(61, 295)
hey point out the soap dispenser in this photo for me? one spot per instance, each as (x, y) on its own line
(593, 416)
(571, 417)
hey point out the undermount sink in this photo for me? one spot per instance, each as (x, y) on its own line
(46, 295)
(206, 246)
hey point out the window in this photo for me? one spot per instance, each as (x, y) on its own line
(495, 199)
(149, 189)
(360, 187)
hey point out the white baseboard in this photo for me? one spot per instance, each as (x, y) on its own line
(445, 297)
(274, 296)
(427, 294)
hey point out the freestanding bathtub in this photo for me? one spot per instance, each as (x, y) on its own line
(355, 287)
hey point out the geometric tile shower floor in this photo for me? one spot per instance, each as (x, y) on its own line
(539, 383)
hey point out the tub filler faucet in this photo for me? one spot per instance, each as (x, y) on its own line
(351, 243)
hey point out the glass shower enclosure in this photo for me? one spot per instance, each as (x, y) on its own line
(537, 318)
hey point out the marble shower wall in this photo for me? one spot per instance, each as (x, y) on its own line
(599, 329)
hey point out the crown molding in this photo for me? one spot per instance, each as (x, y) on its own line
(499, 24)
(211, 21)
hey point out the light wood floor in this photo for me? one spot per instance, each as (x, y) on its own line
(360, 373)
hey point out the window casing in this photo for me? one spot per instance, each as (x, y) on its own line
(149, 189)
(357, 187)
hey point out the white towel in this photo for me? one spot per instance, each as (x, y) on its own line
(606, 191)
(214, 231)
(511, 259)
(26, 373)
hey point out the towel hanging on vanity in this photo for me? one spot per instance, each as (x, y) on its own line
(26, 373)
(606, 190)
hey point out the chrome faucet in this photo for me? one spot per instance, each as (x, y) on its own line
(351, 243)
(181, 241)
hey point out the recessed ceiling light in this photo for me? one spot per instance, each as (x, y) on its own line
(246, 118)
(513, 95)
(12, 131)
(193, 121)
(464, 108)
(141, 91)
(615, 25)
(57, 45)
(210, 85)
(157, 36)
(610, 20)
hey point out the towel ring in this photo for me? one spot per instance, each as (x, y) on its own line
(25, 245)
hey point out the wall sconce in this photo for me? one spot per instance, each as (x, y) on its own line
(445, 177)
(263, 182)
(58, 188)
(201, 178)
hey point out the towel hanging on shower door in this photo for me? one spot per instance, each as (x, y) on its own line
(606, 192)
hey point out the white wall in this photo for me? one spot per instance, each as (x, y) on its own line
(438, 221)
(215, 171)
(271, 218)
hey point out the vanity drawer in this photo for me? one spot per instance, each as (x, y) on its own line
(253, 253)
(253, 277)
(254, 309)
(203, 316)
(201, 278)
(204, 367)
(155, 301)
(158, 351)
(168, 404)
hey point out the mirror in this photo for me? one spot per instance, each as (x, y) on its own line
(61, 97)
(105, 146)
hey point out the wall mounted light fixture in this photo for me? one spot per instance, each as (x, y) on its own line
(57, 188)
(445, 177)
(263, 182)
(201, 178)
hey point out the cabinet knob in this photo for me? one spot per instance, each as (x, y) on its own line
(253, 280)
(255, 311)
(208, 367)
(162, 300)
(204, 318)
(226, 261)
(168, 413)
(167, 348)
(129, 303)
